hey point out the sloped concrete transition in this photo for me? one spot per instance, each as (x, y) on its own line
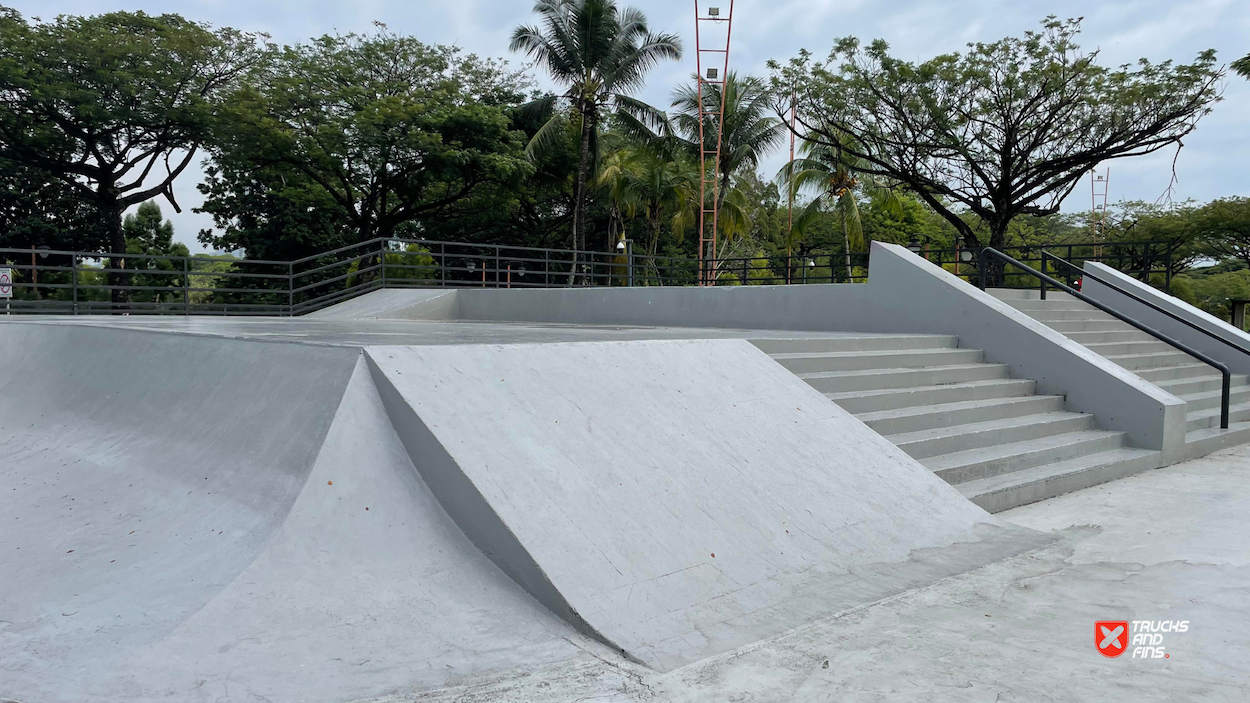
(300, 521)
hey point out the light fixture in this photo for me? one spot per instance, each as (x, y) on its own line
(811, 264)
(43, 250)
(965, 255)
(713, 12)
(712, 74)
(472, 265)
(914, 246)
(521, 271)
(620, 246)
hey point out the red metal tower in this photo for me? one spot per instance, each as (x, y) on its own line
(712, 22)
(1099, 184)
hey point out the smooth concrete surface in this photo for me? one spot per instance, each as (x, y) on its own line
(921, 297)
(192, 515)
(357, 333)
(394, 304)
(822, 307)
(673, 499)
(1225, 351)
(1167, 544)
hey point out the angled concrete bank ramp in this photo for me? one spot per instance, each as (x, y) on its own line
(674, 499)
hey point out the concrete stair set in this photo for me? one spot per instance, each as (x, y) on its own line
(991, 436)
(1158, 362)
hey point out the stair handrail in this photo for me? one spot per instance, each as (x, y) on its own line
(1144, 301)
(987, 252)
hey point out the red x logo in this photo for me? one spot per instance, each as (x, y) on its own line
(1111, 637)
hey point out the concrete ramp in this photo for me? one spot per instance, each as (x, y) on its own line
(674, 499)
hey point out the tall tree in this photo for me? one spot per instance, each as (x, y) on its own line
(1224, 226)
(748, 133)
(1005, 129)
(377, 131)
(115, 105)
(601, 54)
(838, 179)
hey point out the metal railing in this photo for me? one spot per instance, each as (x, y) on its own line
(68, 282)
(1045, 280)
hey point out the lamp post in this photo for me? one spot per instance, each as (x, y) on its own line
(626, 247)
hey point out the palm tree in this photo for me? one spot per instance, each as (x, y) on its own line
(600, 54)
(837, 179)
(748, 134)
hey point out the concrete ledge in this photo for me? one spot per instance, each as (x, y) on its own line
(1238, 361)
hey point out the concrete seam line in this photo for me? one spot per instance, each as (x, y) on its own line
(471, 512)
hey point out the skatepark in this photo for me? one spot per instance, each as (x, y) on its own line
(756, 493)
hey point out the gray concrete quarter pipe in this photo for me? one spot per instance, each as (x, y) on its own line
(194, 517)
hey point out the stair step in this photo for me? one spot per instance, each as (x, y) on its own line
(815, 362)
(1152, 346)
(974, 464)
(1207, 418)
(1005, 491)
(1204, 441)
(1152, 360)
(881, 379)
(1167, 373)
(946, 440)
(928, 417)
(1088, 337)
(893, 398)
(1109, 325)
(1049, 303)
(1006, 294)
(891, 342)
(1088, 314)
(1202, 400)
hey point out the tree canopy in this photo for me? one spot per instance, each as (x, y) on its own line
(1007, 128)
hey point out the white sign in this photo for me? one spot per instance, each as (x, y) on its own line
(6, 283)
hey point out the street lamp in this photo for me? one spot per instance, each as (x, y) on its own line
(914, 246)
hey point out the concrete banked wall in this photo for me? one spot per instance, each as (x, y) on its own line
(672, 499)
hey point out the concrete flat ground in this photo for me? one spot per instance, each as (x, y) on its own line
(366, 332)
(1169, 544)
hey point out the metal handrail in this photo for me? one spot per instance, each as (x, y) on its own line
(1218, 365)
(1144, 301)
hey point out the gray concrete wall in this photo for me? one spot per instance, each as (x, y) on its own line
(910, 294)
(675, 498)
(1238, 361)
(826, 307)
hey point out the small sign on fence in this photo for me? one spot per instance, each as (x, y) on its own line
(6, 283)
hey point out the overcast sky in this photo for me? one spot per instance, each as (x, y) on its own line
(1212, 163)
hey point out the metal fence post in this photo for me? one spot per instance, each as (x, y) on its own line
(186, 286)
(629, 262)
(496, 266)
(382, 254)
(290, 289)
(74, 279)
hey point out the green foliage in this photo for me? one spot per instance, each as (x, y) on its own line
(1004, 129)
(114, 105)
(601, 54)
(360, 136)
(1242, 65)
